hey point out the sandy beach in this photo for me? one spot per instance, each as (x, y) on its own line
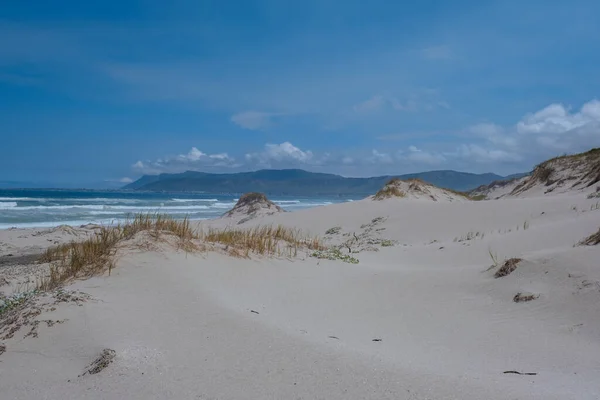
(420, 316)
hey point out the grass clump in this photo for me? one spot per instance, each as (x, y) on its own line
(591, 240)
(508, 267)
(263, 240)
(543, 173)
(95, 255)
(101, 362)
(334, 254)
(333, 231)
(523, 297)
(478, 197)
(390, 190)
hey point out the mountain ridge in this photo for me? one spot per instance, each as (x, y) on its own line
(299, 182)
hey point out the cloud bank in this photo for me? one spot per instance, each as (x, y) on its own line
(486, 146)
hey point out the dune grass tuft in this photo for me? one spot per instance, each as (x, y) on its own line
(95, 255)
(264, 240)
(390, 190)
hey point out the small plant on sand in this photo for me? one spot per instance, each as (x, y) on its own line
(387, 243)
(591, 240)
(469, 236)
(494, 258)
(334, 254)
(8, 303)
(523, 297)
(333, 231)
(101, 362)
(478, 197)
(525, 225)
(508, 267)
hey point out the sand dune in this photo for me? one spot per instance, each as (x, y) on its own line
(577, 173)
(421, 316)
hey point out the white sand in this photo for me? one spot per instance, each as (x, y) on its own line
(182, 324)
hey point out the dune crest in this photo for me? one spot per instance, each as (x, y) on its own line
(564, 174)
(417, 189)
(252, 205)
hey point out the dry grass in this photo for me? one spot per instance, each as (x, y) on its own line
(390, 190)
(508, 267)
(478, 197)
(100, 363)
(524, 297)
(263, 240)
(591, 240)
(95, 255)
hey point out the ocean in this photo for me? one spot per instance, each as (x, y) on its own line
(24, 208)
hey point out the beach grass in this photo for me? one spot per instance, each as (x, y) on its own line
(95, 255)
(390, 190)
(263, 240)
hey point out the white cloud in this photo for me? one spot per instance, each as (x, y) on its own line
(380, 158)
(193, 160)
(125, 180)
(419, 156)
(253, 120)
(556, 119)
(284, 153)
(537, 136)
(484, 147)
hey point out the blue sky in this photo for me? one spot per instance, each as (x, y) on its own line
(103, 92)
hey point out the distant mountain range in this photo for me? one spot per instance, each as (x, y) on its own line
(297, 182)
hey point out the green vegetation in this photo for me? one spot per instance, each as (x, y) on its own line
(333, 231)
(334, 254)
(478, 197)
(15, 300)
